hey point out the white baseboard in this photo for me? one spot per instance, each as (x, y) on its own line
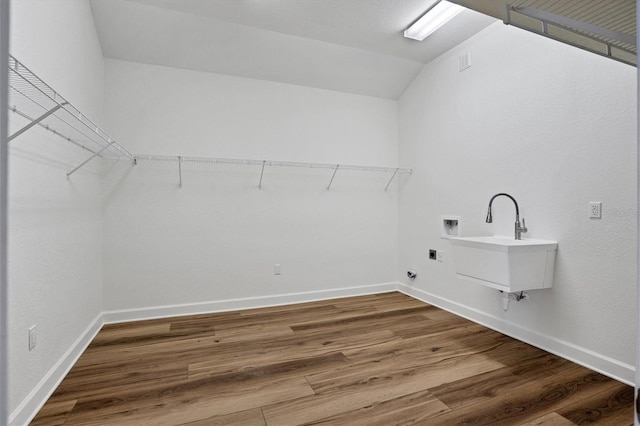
(29, 407)
(111, 317)
(27, 410)
(595, 361)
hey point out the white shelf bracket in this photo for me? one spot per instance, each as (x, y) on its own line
(36, 121)
(395, 172)
(89, 159)
(264, 162)
(333, 176)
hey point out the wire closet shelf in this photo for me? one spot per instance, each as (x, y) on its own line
(606, 28)
(34, 100)
(393, 171)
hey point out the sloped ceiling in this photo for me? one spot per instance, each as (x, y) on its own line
(353, 46)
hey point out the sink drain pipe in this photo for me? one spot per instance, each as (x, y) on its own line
(507, 297)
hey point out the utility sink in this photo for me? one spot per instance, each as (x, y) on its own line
(505, 263)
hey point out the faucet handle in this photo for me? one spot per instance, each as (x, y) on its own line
(524, 226)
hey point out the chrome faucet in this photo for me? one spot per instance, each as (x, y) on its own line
(518, 228)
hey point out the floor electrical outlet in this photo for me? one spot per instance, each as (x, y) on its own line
(595, 209)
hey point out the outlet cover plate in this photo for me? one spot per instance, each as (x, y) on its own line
(32, 337)
(595, 209)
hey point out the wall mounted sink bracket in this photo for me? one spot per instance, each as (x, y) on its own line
(505, 264)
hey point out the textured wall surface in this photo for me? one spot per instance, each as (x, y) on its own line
(549, 124)
(219, 236)
(555, 127)
(55, 253)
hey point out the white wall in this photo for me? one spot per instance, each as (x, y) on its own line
(551, 125)
(55, 253)
(555, 127)
(218, 237)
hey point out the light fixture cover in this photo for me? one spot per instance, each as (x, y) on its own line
(434, 18)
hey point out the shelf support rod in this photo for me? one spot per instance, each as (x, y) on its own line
(333, 176)
(90, 158)
(180, 171)
(262, 174)
(36, 121)
(391, 180)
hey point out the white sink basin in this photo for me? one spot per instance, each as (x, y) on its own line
(505, 263)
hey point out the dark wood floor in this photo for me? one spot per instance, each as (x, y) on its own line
(385, 359)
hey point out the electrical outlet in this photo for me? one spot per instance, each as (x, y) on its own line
(465, 61)
(440, 255)
(595, 209)
(276, 269)
(433, 254)
(32, 337)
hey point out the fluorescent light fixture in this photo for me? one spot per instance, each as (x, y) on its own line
(441, 13)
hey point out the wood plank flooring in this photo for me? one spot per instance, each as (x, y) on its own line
(383, 359)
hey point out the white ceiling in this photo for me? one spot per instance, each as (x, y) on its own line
(353, 46)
